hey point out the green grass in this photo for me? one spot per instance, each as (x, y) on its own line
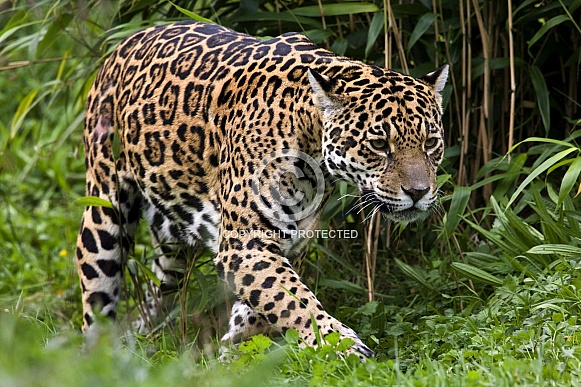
(526, 333)
(487, 293)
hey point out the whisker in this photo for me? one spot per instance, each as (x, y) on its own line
(367, 205)
(348, 196)
(372, 213)
(358, 205)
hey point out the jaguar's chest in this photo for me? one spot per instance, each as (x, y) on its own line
(181, 214)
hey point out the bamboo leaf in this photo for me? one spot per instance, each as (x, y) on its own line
(494, 237)
(540, 169)
(413, 273)
(191, 15)
(546, 27)
(204, 296)
(335, 9)
(569, 180)
(275, 16)
(475, 274)
(23, 108)
(53, 31)
(460, 198)
(542, 95)
(375, 29)
(339, 46)
(93, 201)
(559, 249)
(342, 285)
(546, 140)
(424, 22)
(135, 265)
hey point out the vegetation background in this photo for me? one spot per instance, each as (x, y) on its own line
(485, 292)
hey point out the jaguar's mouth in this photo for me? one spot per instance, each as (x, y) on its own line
(394, 211)
(401, 215)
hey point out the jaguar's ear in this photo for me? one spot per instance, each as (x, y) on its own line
(323, 98)
(437, 80)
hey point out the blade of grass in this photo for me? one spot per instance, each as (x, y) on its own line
(569, 180)
(542, 94)
(460, 198)
(475, 274)
(540, 169)
(413, 274)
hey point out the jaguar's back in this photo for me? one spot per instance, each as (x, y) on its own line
(205, 117)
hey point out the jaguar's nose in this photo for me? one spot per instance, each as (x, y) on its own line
(416, 193)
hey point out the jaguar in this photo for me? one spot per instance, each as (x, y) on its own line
(233, 143)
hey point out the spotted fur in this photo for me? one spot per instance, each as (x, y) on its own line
(195, 108)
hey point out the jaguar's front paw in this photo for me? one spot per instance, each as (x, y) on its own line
(358, 347)
(361, 349)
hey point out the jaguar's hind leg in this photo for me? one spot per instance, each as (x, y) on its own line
(106, 234)
(169, 265)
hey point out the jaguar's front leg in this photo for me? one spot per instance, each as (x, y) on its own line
(244, 322)
(265, 281)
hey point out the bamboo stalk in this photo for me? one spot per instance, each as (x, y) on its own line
(387, 36)
(486, 55)
(374, 255)
(372, 242)
(368, 252)
(463, 121)
(398, 41)
(323, 22)
(484, 114)
(436, 32)
(512, 79)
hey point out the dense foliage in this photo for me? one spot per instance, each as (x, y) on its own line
(485, 292)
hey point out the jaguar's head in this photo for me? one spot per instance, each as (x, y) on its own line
(382, 131)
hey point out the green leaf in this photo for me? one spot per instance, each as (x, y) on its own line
(560, 249)
(204, 287)
(318, 36)
(475, 274)
(191, 15)
(342, 285)
(333, 338)
(523, 5)
(339, 46)
(546, 27)
(375, 29)
(23, 108)
(542, 95)
(275, 16)
(546, 140)
(495, 64)
(345, 344)
(335, 9)
(555, 304)
(460, 198)
(537, 171)
(93, 201)
(257, 344)
(424, 22)
(135, 265)
(53, 31)
(569, 180)
(413, 273)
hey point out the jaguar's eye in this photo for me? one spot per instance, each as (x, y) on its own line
(430, 143)
(379, 144)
